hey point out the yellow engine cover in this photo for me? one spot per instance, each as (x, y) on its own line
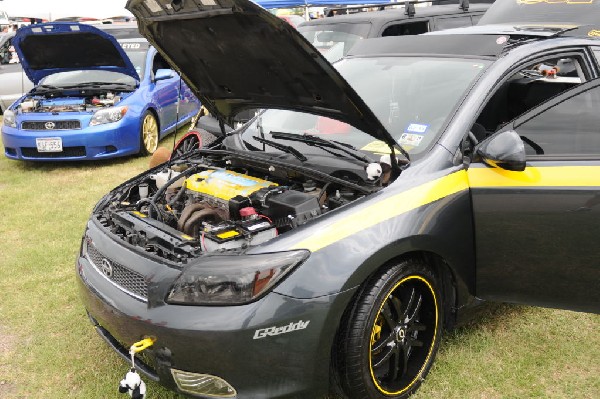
(225, 184)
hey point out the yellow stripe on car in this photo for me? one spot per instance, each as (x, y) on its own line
(476, 177)
(385, 209)
(546, 176)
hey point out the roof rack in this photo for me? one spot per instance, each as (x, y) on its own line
(409, 7)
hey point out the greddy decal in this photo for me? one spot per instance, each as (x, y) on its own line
(386, 209)
(271, 331)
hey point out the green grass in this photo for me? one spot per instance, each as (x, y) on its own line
(48, 348)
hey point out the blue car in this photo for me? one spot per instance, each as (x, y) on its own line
(94, 97)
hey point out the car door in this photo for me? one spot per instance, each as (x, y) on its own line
(165, 93)
(537, 231)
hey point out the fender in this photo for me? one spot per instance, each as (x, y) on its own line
(443, 227)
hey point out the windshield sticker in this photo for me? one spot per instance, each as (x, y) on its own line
(378, 147)
(594, 33)
(555, 1)
(410, 139)
(416, 128)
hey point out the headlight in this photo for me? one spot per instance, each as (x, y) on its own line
(108, 115)
(10, 119)
(230, 280)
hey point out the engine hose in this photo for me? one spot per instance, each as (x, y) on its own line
(179, 194)
(321, 199)
(153, 205)
(185, 173)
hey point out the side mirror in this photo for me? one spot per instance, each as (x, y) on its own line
(164, 74)
(503, 150)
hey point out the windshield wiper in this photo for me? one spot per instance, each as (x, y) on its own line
(45, 88)
(97, 85)
(281, 147)
(309, 139)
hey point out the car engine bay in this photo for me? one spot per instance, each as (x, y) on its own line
(81, 103)
(220, 200)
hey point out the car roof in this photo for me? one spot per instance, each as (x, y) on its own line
(446, 45)
(397, 14)
(477, 41)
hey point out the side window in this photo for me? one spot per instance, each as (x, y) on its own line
(407, 28)
(453, 22)
(159, 63)
(597, 54)
(570, 128)
(527, 88)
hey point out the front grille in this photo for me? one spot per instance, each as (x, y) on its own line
(51, 125)
(124, 278)
(32, 152)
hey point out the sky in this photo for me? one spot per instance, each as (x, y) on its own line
(53, 9)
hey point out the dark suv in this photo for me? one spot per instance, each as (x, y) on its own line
(336, 34)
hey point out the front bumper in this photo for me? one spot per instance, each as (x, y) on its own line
(221, 341)
(91, 142)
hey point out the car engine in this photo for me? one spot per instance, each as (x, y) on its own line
(218, 204)
(48, 104)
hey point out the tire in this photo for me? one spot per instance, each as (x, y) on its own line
(148, 134)
(390, 335)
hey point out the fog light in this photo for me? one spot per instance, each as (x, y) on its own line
(203, 384)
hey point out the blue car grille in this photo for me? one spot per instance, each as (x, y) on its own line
(51, 125)
(124, 278)
(32, 152)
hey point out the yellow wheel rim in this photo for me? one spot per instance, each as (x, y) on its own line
(424, 289)
(150, 134)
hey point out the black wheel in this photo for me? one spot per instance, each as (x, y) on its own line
(188, 144)
(390, 335)
(148, 134)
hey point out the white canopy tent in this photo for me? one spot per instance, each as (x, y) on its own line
(55, 9)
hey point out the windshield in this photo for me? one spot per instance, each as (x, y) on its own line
(542, 11)
(72, 78)
(136, 53)
(138, 59)
(411, 96)
(334, 40)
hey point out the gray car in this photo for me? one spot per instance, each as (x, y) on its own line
(13, 82)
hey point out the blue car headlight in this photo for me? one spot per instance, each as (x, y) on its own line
(108, 115)
(232, 280)
(10, 119)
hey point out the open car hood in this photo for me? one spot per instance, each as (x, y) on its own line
(236, 55)
(49, 48)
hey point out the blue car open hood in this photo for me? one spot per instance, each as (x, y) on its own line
(49, 48)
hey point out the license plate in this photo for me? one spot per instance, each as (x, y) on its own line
(50, 144)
